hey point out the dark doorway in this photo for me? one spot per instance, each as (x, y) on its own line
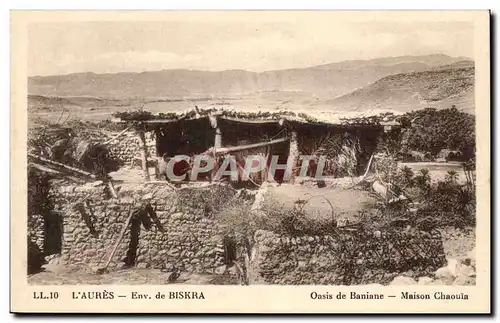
(185, 138)
(53, 228)
(230, 254)
(135, 230)
(281, 150)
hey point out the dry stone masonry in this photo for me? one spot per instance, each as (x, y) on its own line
(344, 257)
(36, 230)
(181, 233)
(126, 148)
(171, 228)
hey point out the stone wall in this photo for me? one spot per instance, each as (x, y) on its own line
(344, 258)
(36, 230)
(126, 147)
(185, 232)
(182, 232)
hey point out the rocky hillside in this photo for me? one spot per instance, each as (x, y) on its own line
(441, 87)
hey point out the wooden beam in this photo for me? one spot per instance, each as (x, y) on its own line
(46, 169)
(217, 146)
(144, 156)
(117, 243)
(112, 189)
(250, 146)
(116, 137)
(73, 169)
(243, 120)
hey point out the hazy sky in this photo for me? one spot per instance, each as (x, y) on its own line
(249, 44)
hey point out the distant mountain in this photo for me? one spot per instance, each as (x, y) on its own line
(323, 81)
(459, 64)
(444, 87)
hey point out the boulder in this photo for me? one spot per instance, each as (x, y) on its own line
(425, 280)
(444, 272)
(402, 281)
(452, 266)
(442, 282)
(472, 257)
(220, 270)
(121, 265)
(89, 252)
(142, 265)
(464, 270)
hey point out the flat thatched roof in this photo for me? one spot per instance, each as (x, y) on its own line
(146, 118)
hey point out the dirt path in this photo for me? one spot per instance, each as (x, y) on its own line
(346, 202)
(132, 276)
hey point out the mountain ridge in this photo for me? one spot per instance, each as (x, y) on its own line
(326, 81)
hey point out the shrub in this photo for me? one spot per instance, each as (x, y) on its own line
(432, 130)
(441, 204)
(451, 204)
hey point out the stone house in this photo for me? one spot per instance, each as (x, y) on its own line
(346, 144)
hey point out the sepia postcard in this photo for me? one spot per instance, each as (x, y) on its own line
(250, 162)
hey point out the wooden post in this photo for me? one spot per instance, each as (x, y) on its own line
(293, 154)
(158, 138)
(218, 138)
(160, 135)
(144, 156)
(217, 144)
(264, 171)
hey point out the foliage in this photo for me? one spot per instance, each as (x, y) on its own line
(426, 204)
(450, 203)
(432, 130)
(340, 151)
(135, 115)
(75, 144)
(273, 216)
(293, 222)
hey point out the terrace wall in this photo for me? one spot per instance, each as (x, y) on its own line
(344, 257)
(183, 234)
